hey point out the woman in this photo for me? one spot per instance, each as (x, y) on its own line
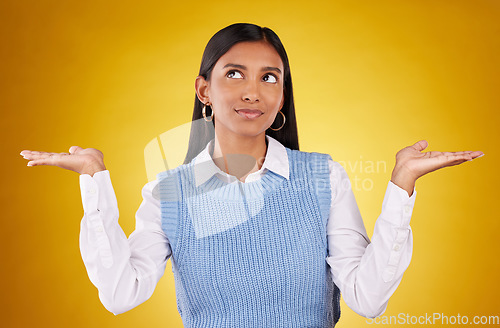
(260, 234)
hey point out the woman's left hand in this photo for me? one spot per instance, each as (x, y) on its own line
(411, 163)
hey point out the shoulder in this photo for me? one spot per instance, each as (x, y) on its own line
(181, 169)
(316, 158)
(316, 163)
(169, 182)
(319, 161)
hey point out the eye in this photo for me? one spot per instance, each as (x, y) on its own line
(271, 78)
(234, 75)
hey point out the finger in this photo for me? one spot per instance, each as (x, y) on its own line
(33, 152)
(420, 145)
(39, 155)
(46, 160)
(477, 154)
(472, 154)
(450, 153)
(28, 154)
(456, 159)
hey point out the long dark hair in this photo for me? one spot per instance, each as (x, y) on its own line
(202, 131)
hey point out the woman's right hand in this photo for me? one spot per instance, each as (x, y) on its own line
(83, 161)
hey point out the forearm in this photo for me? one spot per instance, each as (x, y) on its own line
(369, 279)
(125, 271)
(369, 273)
(123, 281)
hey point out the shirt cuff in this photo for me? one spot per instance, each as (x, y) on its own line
(89, 190)
(97, 192)
(95, 196)
(397, 206)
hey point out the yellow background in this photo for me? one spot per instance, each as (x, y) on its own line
(370, 77)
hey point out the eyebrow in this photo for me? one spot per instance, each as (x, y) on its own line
(266, 68)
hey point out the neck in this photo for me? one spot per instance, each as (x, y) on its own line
(239, 155)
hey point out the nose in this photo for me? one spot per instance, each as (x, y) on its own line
(251, 92)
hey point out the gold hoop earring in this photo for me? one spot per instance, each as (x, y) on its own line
(284, 120)
(203, 112)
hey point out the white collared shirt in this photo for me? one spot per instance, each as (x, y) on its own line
(126, 271)
(276, 160)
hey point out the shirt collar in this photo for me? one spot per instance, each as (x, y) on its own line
(276, 160)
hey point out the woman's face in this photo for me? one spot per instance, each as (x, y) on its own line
(246, 89)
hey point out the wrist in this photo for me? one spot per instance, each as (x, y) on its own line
(403, 180)
(93, 168)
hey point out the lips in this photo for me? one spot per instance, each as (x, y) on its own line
(249, 113)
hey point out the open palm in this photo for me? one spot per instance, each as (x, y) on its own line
(416, 163)
(83, 161)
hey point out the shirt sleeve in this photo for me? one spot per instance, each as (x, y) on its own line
(125, 271)
(367, 273)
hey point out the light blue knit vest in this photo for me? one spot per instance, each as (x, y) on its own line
(252, 254)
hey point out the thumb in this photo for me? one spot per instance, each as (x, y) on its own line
(74, 149)
(420, 145)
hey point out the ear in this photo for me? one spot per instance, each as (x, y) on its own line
(282, 99)
(201, 85)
